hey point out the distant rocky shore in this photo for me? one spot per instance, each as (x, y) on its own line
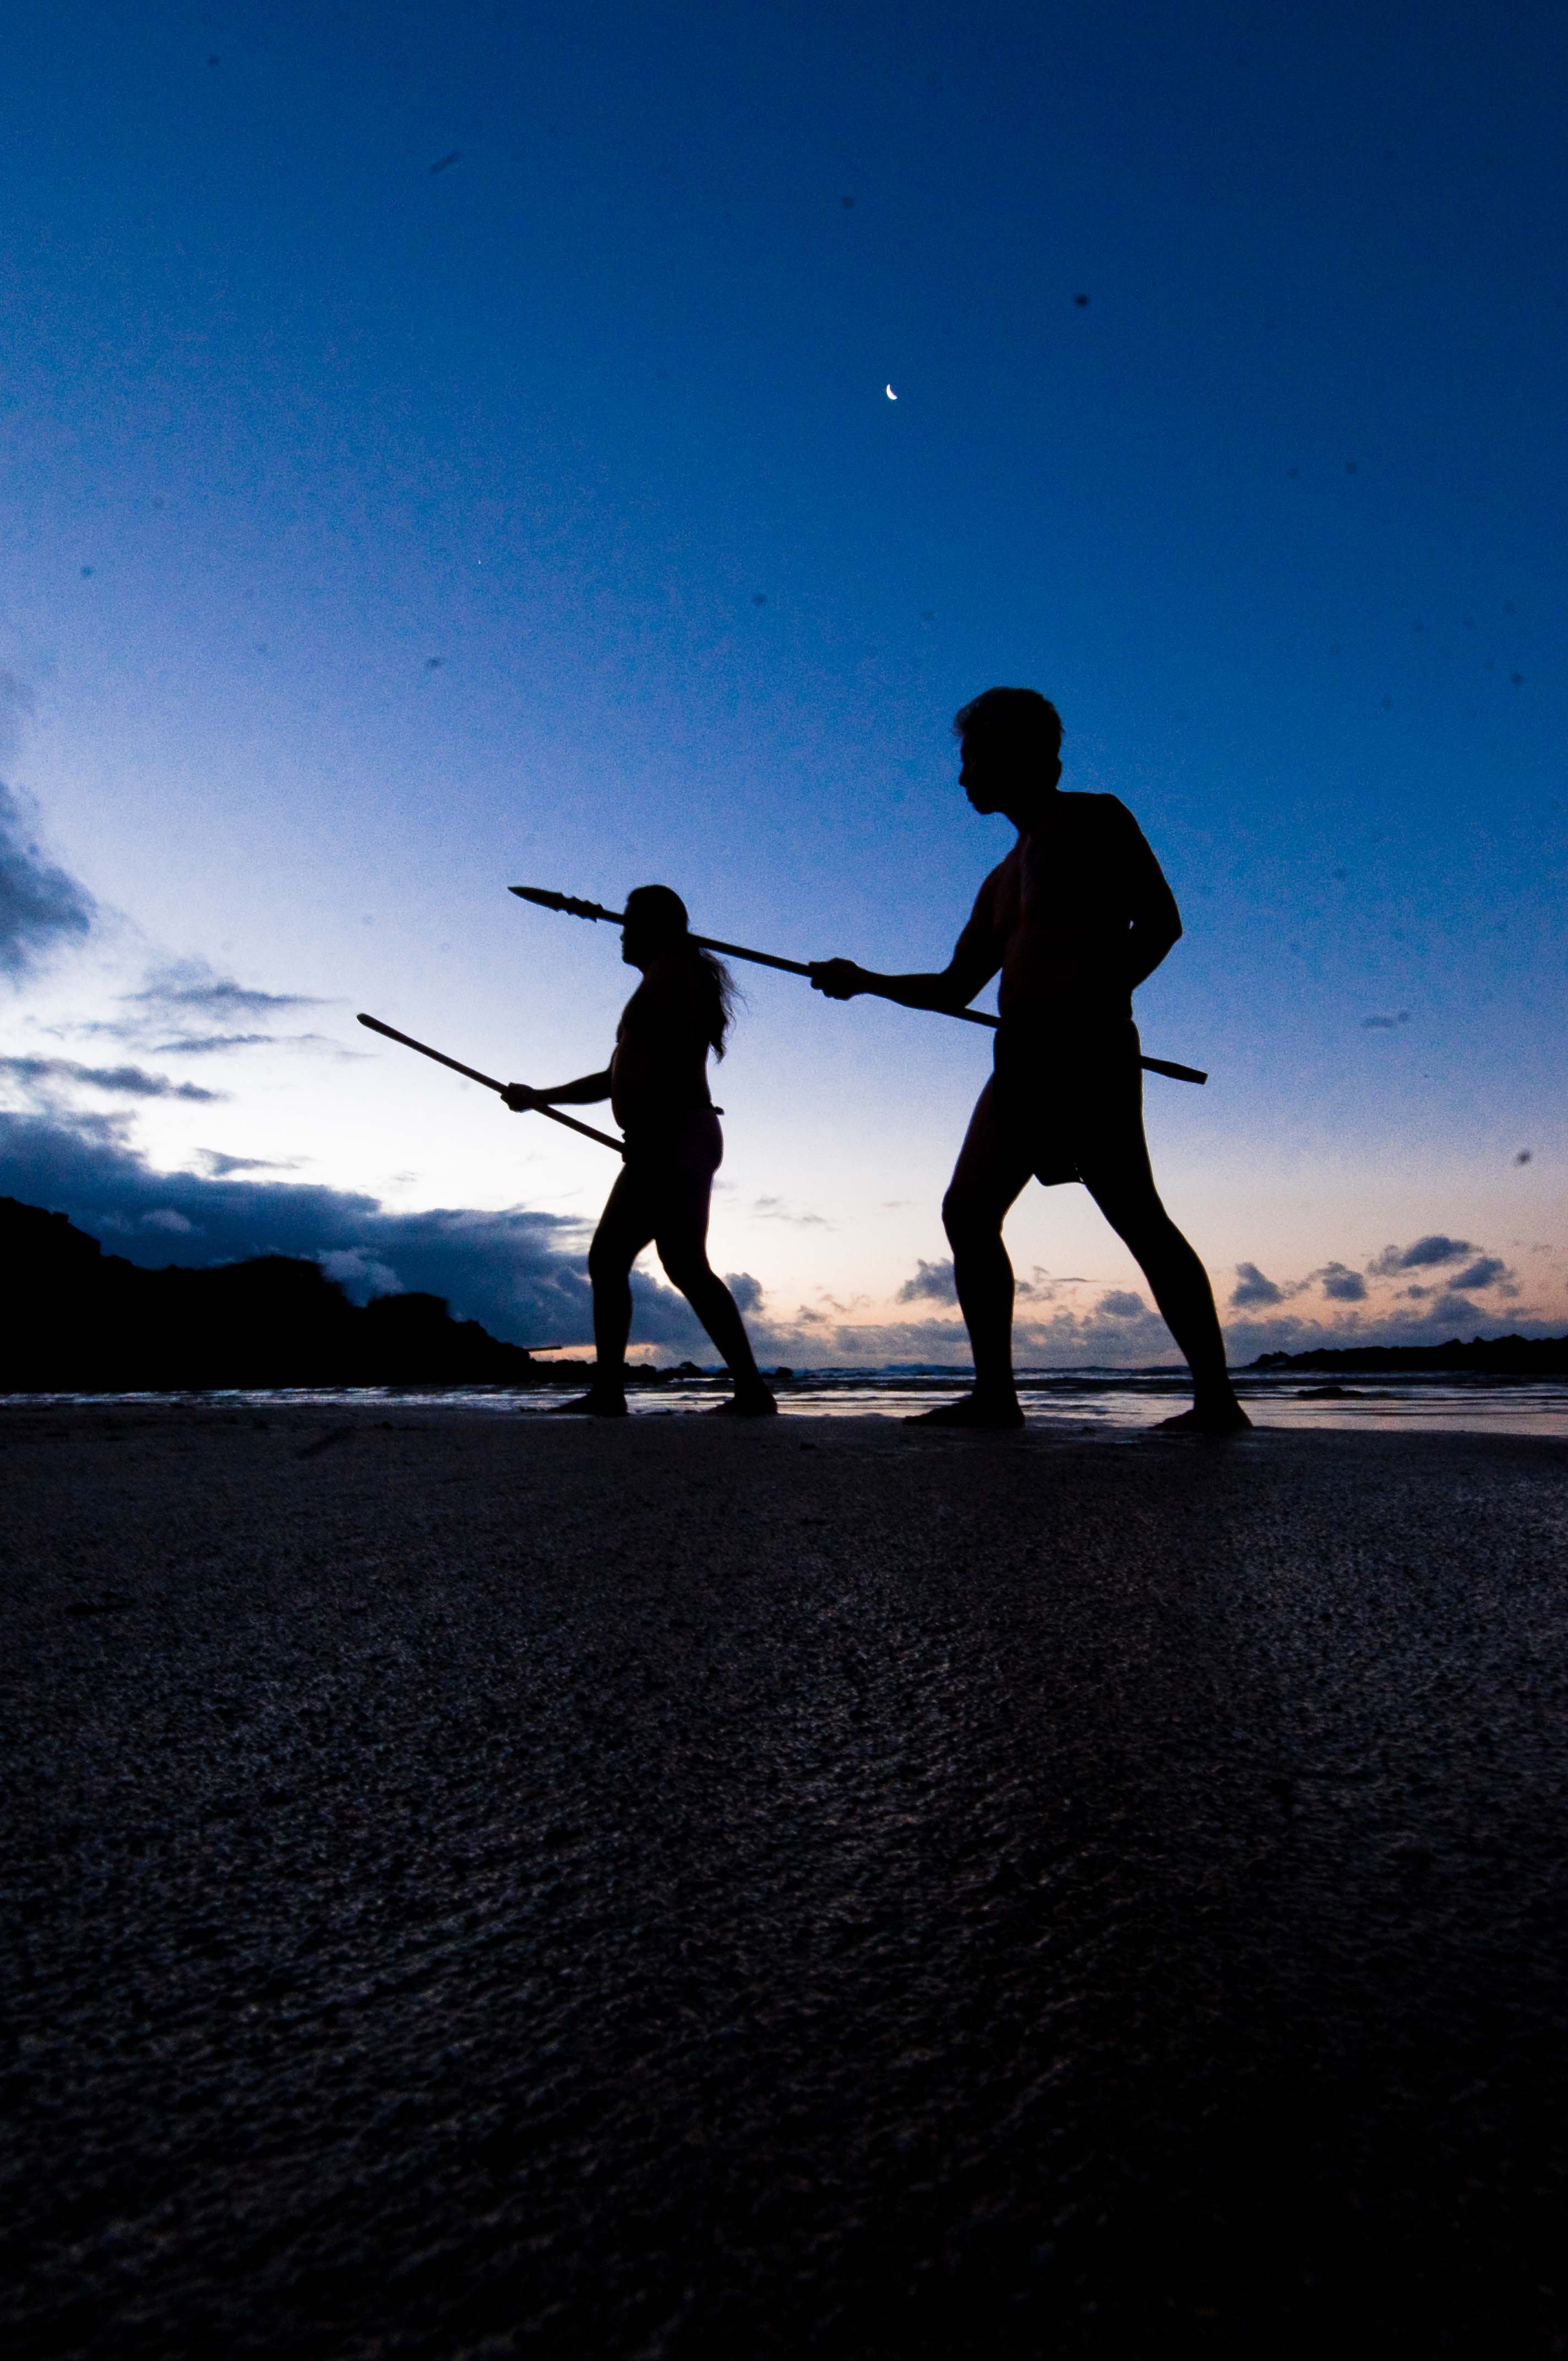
(1490, 1357)
(80, 1321)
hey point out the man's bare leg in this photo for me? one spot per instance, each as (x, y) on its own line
(986, 1179)
(1180, 1285)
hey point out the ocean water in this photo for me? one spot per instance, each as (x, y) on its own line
(1073, 1400)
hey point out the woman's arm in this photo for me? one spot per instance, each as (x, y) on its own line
(585, 1092)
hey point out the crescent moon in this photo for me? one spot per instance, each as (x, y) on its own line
(891, 395)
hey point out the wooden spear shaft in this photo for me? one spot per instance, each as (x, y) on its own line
(574, 909)
(490, 1083)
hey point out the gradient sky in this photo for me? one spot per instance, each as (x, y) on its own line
(448, 448)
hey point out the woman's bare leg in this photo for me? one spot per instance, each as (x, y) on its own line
(625, 1227)
(682, 1240)
(673, 1209)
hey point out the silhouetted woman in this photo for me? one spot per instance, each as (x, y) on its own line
(657, 1084)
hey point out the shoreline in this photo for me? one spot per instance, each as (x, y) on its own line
(1063, 1404)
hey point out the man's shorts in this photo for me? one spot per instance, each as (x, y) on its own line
(1068, 1100)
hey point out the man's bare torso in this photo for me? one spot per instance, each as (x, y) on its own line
(1056, 915)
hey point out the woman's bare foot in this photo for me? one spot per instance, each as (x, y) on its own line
(974, 1410)
(606, 1401)
(1208, 1418)
(750, 1401)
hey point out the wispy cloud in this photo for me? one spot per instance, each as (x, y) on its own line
(220, 1166)
(203, 1045)
(172, 1015)
(42, 907)
(774, 1209)
(40, 1076)
(192, 988)
(1045, 1286)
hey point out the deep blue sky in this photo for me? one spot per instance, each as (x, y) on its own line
(595, 415)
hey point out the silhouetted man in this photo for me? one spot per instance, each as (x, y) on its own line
(1075, 918)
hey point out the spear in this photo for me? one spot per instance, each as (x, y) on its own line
(573, 908)
(490, 1083)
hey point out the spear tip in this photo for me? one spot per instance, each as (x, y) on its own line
(568, 903)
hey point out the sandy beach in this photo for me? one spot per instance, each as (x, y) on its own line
(481, 1885)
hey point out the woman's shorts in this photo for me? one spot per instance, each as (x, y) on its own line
(1068, 1100)
(687, 1145)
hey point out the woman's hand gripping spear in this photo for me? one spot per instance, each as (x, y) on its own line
(520, 1101)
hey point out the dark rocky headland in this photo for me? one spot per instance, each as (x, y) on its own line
(80, 1321)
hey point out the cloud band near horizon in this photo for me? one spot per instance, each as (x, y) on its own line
(523, 1273)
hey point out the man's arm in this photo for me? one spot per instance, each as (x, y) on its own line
(585, 1092)
(974, 961)
(1155, 925)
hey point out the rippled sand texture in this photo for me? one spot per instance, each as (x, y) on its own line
(678, 1888)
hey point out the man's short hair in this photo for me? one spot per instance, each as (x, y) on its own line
(1019, 719)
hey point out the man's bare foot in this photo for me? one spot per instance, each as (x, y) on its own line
(1212, 1417)
(597, 1402)
(752, 1401)
(974, 1410)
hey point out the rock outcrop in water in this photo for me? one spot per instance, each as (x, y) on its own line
(80, 1321)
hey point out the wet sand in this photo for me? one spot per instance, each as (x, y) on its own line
(487, 1885)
